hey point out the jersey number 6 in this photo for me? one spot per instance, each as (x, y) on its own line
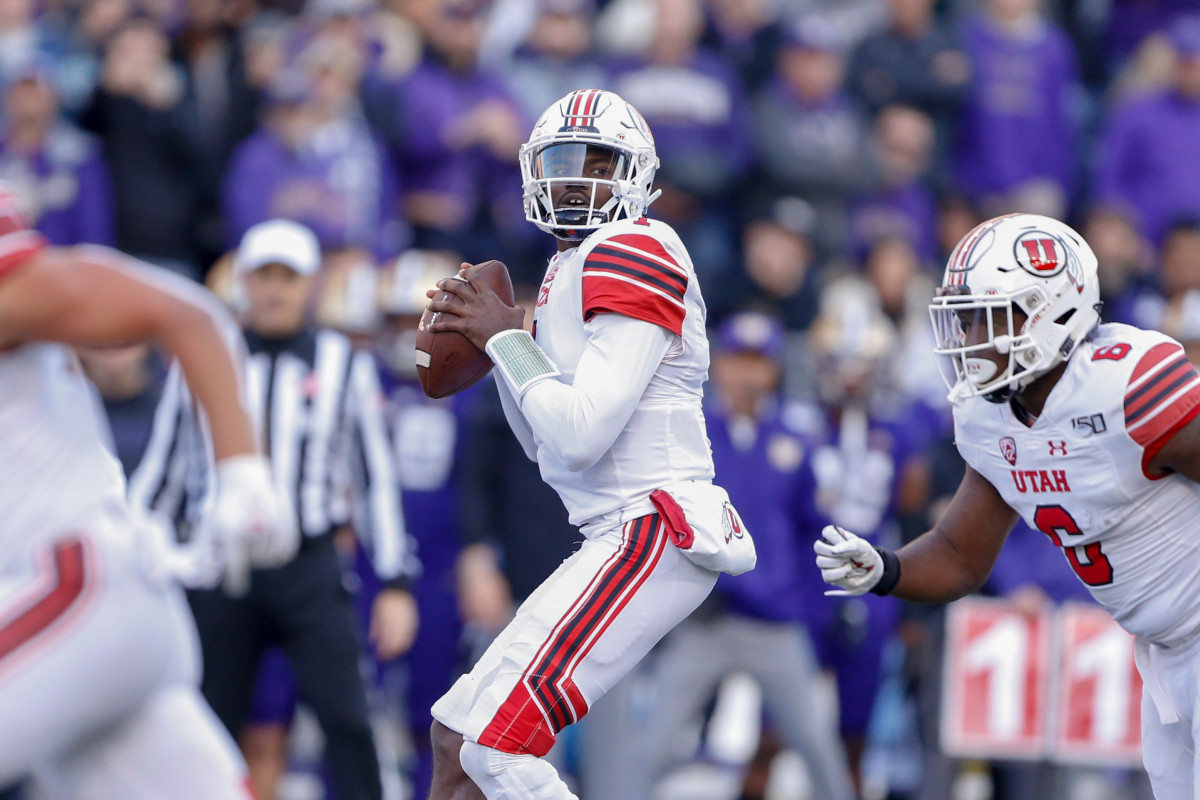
(1093, 568)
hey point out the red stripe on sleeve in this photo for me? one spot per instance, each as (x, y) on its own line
(1146, 398)
(648, 245)
(604, 294)
(1153, 357)
(1151, 449)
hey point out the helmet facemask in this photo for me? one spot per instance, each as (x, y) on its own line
(1045, 339)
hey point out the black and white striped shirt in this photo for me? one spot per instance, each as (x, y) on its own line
(318, 410)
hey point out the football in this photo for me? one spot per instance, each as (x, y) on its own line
(447, 362)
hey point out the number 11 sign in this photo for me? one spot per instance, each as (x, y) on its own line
(1058, 684)
(996, 681)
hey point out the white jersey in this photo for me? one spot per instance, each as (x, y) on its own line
(55, 472)
(1079, 474)
(639, 269)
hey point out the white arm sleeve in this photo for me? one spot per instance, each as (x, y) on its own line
(516, 420)
(580, 421)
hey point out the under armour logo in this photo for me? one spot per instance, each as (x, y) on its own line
(1058, 448)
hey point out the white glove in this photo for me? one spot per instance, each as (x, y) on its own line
(847, 561)
(248, 525)
(164, 560)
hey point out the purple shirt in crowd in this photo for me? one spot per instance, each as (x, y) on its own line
(1016, 123)
(764, 466)
(1148, 160)
(67, 186)
(342, 185)
(698, 113)
(432, 99)
(908, 211)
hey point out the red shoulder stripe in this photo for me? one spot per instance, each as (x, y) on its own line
(1164, 387)
(605, 292)
(640, 244)
(1154, 356)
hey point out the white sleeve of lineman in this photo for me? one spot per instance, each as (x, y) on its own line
(578, 422)
(516, 420)
(392, 552)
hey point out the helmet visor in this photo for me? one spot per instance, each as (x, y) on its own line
(580, 160)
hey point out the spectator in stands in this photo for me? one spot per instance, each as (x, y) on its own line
(1178, 277)
(220, 102)
(752, 623)
(129, 380)
(747, 34)
(697, 109)
(316, 159)
(1147, 155)
(871, 468)
(1024, 77)
(916, 62)
(557, 58)
(137, 112)
(902, 202)
(57, 169)
(1127, 285)
(904, 286)
(457, 141)
(778, 269)
(22, 39)
(812, 138)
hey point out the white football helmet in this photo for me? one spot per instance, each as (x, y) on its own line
(587, 140)
(1018, 262)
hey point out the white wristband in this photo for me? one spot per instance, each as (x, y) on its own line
(520, 360)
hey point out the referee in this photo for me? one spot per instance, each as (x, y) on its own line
(318, 407)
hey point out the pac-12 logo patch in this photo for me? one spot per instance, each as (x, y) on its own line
(1008, 449)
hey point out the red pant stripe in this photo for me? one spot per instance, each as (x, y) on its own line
(70, 575)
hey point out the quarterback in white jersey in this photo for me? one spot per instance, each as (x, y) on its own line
(98, 695)
(605, 395)
(1086, 431)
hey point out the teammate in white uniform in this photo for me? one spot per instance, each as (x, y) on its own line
(1086, 431)
(606, 397)
(98, 696)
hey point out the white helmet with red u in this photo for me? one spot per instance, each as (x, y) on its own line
(1019, 262)
(583, 123)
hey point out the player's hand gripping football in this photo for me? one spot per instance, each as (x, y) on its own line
(249, 527)
(847, 561)
(481, 316)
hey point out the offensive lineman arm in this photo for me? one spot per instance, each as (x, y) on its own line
(92, 296)
(951, 560)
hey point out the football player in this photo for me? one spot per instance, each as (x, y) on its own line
(98, 669)
(1086, 431)
(605, 395)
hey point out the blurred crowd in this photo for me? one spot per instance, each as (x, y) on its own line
(819, 159)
